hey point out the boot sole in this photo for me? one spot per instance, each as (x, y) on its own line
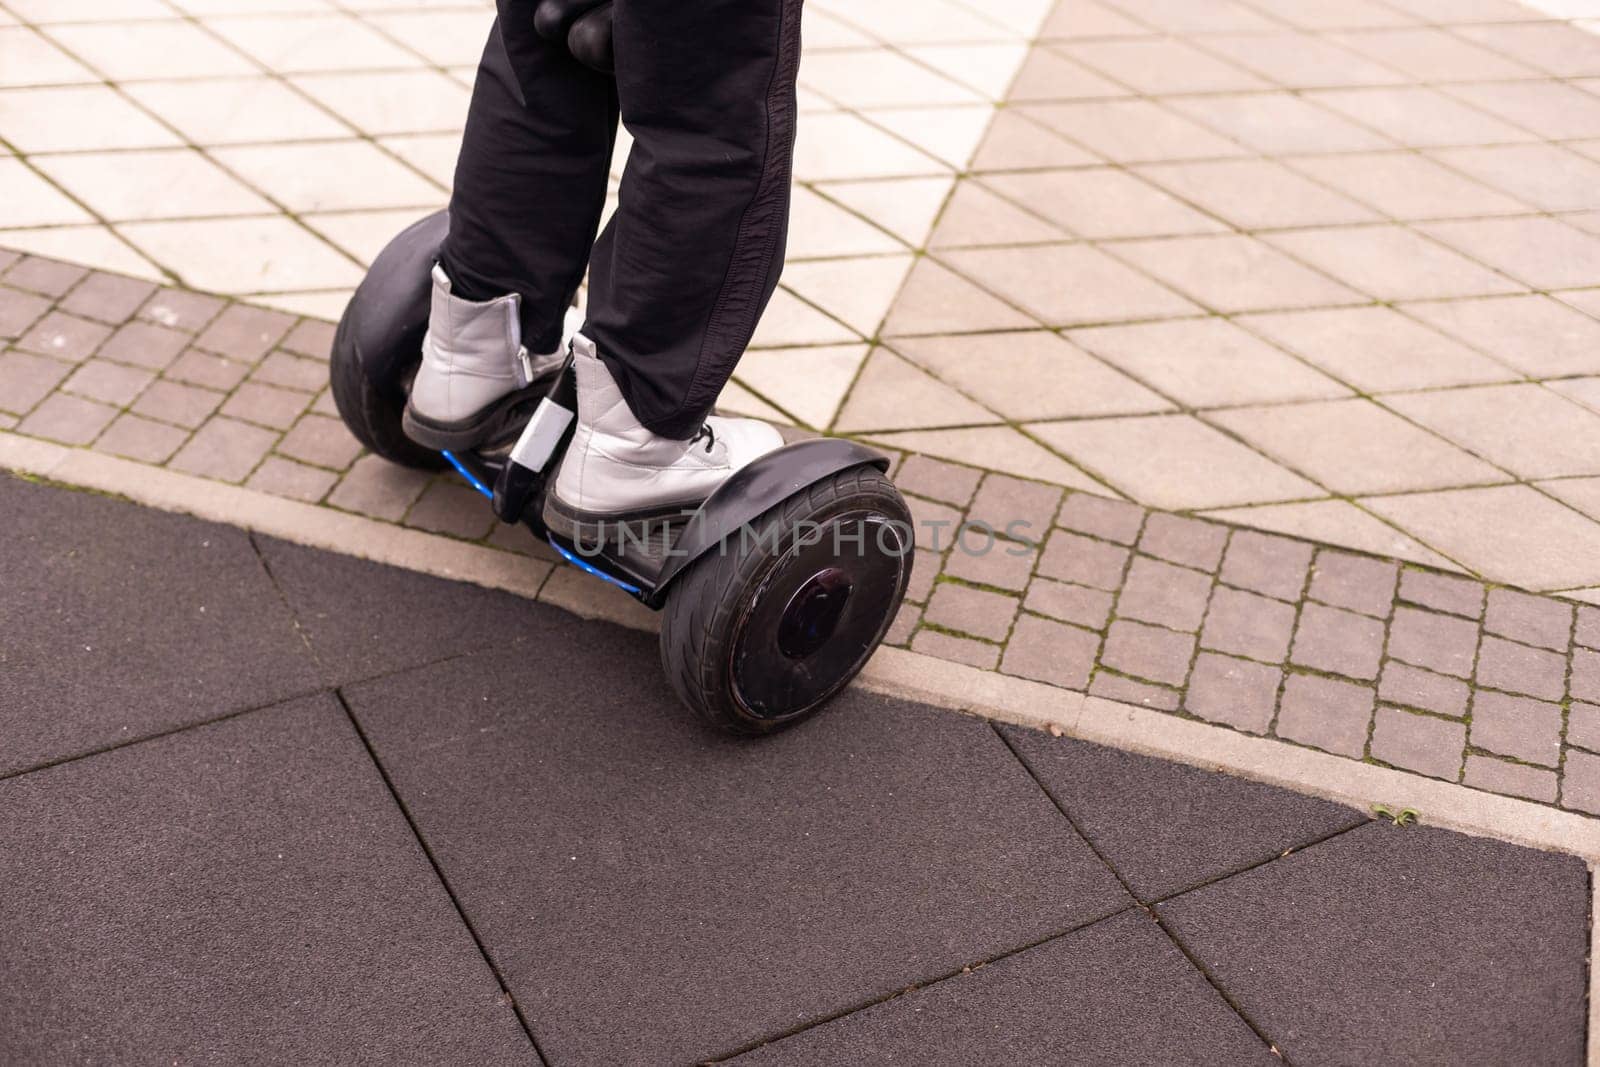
(488, 426)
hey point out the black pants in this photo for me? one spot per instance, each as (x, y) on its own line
(688, 262)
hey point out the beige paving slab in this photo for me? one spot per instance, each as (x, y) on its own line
(434, 154)
(1546, 176)
(976, 217)
(445, 38)
(1420, 117)
(1552, 47)
(1279, 124)
(85, 244)
(997, 448)
(1302, 60)
(1257, 194)
(1404, 186)
(64, 118)
(1013, 142)
(893, 394)
(838, 146)
(1548, 108)
(1582, 494)
(790, 321)
(384, 102)
(1132, 131)
(313, 43)
(1099, 203)
(810, 383)
(1155, 66)
(1376, 349)
(1510, 533)
(1542, 253)
(989, 68)
(1234, 273)
(1335, 522)
(905, 207)
(1432, 54)
(1537, 335)
(31, 200)
(237, 110)
(243, 255)
(857, 291)
(1173, 461)
(123, 186)
(130, 51)
(878, 78)
(1526, 429)
(938, 300)
(1066, 285)
(28, 58)
(1392, 263)
(1089, 20)
(821, 229)
(1207, 363)
(1183, 16)
(1030, 375)
(363, 234)
(1355, 447)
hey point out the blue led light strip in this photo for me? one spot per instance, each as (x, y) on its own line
(588, 569)
(468, 475)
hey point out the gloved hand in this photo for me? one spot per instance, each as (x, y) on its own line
(584, 26)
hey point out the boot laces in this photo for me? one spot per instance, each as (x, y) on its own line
(708, 433)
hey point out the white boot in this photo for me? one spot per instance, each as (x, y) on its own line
(616, 470)
(474, 369)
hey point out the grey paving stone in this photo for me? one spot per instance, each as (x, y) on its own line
(1587, 630)
(924, 564)
(110, 298)
(1326, 713)
(1419, 743)
(932, 478)
(1417, 688)
(136, 622)
(1247, 624)
(1071, 557)
(978, 612)
(291, 372)
(245, 333)
(1116, 992)
(1051, 652)
(1002, 564)
(242, 892)
(310, 337)
(1234, 692)
(109, 383)
(1533, 620)
(68, 419)
(973, 653)
(452, 508)
(623, 863)
(1180, 540)
(1524, 729)
(1161, 593)
(1583, 725)
(1264, 563)
(284, 477)
(208, 369)
(1340, 642)
(144, 344)
(141, 439)
(1097, 516)
(1580, 782)
(27, 379)
(1510, 779)
(1128, 691)
(1070, 603)
(62, 336)
(1520, 669)
(20, 310)
(1167, 827)
(1584, 683)
(1438, 642)
(181, 309)
(363, 619)
(223, 449)
(1412, 946)
(47, 276)
(1019, 509)
(1149, 652)
(1442, 592)
(935, 525)
(1357, 583)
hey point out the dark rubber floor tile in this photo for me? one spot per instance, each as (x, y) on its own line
(364, 619)
(244, 892)
(1166, 826)
(1116, 993)
(658, 893)
(120, 622)
(1411, 946)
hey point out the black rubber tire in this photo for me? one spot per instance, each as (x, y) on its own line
(372, 414)
(699, 621)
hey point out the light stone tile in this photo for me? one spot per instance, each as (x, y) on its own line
(76, 117)
(1580, 493)
(1156, 66)
(838, 146)
(1552, 47)
(252, 7)
(879, 78)
(1420, 117)
(312, 43)
(892, 394)
(329, 176)
(1317, 15)
(809, 383)
(937, 300)
(1540, 252)
(1510, 534)
(1131, 131)
(237, 111)
(1541, 337)
(975, 217)
(1302, 60)
(327, 304)
(735, 399)
(1014, 142)
(1185, 16)
(790, 321)
(1354, 447)
(858, 292)
(924, 22)
(1279, 124)
(1257, 194)
(1456, 11)
(251, 255)
(819, 228)
(1585, 391)
(1234, 273)
(1431, 54)
(1087, 19)
(906, 207)
(949, 134)
(1392, 263)
(1204, 363)
(995, 448)
(129, 51)
(421, 101)
(1406, 186)
(363, 234)
(1049, 75)
(434, 154)
(1103, 202)
(445, 38)
(27, 58)
(31, 201)
(1069, 285)
(1336, 522)
(1030, 375)
(1173, 461)
(47, 12)
(92, 246)
(1376, 349)
(122, 186)
(1548, 108)
(823, 31)
(1585, 300)
(1546, 176)
(1527, 429)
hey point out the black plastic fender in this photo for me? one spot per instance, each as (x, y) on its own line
(388, 315)
(755, 488)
